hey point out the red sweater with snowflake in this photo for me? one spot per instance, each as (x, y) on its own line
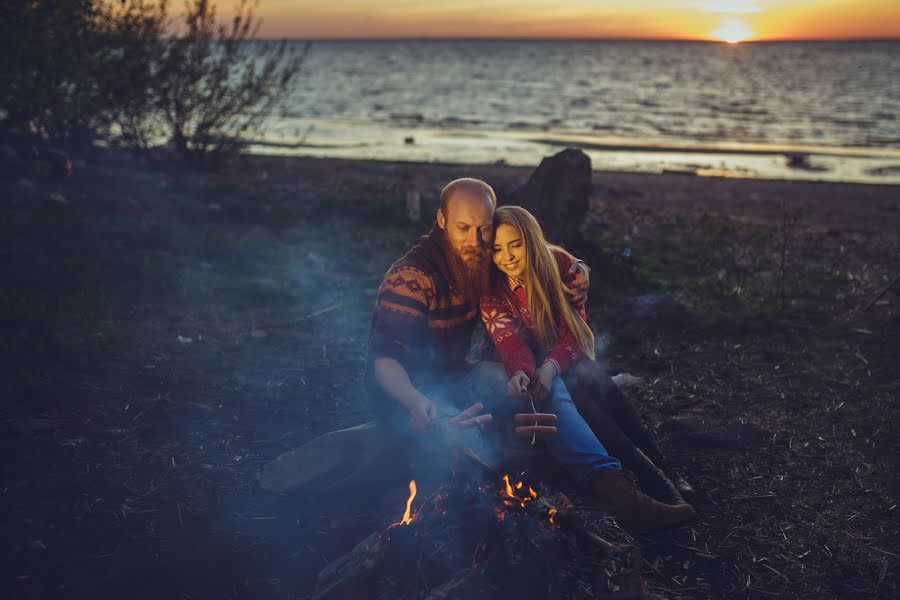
(508, 321)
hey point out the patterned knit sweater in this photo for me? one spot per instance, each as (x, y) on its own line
(508, 321)
(420, 319)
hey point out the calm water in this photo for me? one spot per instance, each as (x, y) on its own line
(705, 107)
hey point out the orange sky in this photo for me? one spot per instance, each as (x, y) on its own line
(668, 19)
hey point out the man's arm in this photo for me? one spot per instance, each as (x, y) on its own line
(395, 382)
(576, 275)
(399, 331)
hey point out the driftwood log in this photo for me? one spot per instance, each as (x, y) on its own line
(361, 457)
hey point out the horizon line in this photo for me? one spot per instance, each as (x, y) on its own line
(577, 39)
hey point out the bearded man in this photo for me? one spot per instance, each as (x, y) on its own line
(418, 377)
(427, 308)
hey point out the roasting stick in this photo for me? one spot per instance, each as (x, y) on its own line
(534, 410)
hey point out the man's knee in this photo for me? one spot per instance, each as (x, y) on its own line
(589, 383)
(589, 374)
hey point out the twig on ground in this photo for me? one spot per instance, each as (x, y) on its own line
(323, 310)
(759, 497)
(882, 292)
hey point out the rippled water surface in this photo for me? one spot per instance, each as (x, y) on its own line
(487, 100)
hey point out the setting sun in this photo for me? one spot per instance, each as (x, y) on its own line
(732, 31)
(727, 20)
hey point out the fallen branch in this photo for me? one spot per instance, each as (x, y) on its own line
(451, 588)
(365, 557)
(759, 497)
(324, 310)
(882, 292)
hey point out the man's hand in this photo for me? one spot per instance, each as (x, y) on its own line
(543, 381)
(472, 417)
(581, 284)
(422, 414)
(517, 386)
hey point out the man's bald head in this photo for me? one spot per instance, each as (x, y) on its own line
(469, 188)
(466, 213)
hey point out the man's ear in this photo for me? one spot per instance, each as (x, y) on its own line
(441, 220)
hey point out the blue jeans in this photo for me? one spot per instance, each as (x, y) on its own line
(575, 446)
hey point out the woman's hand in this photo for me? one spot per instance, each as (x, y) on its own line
(544, 381)
(517, 386)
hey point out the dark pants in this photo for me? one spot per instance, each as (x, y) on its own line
(613, 417)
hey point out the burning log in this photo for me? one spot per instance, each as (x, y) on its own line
(560, 512)
(455, 586)
(365, 557)
(467, 533)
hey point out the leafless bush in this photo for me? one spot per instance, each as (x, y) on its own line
(215, 84)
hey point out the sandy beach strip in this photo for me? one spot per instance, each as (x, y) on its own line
(845, 207)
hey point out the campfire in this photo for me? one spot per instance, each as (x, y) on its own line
(485, 534)
(407, 515)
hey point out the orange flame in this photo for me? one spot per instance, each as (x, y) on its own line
(551, 512)
(511, 497)
(407, 519)
(509, 490)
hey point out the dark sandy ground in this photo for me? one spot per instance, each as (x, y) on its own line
(167, 334)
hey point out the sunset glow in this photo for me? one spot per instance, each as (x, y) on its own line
(732, 31)
(729, 20)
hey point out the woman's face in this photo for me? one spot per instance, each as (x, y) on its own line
(509, 251)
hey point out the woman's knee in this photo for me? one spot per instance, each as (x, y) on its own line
(559, 389)
(560, 400)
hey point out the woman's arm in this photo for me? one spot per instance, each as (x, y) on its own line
(502, 325)
(566, 351)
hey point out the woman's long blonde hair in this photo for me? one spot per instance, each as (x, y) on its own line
(544, 289)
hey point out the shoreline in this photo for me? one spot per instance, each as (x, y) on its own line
(419, 142)
(587, 141)
(854, 207)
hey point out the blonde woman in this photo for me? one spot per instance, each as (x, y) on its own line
(541, 337)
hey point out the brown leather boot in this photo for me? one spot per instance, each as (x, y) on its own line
(632, 508)
(653, 480)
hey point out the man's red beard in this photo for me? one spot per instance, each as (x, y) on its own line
(471, 272)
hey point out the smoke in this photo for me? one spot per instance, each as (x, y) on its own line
(277, 322)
